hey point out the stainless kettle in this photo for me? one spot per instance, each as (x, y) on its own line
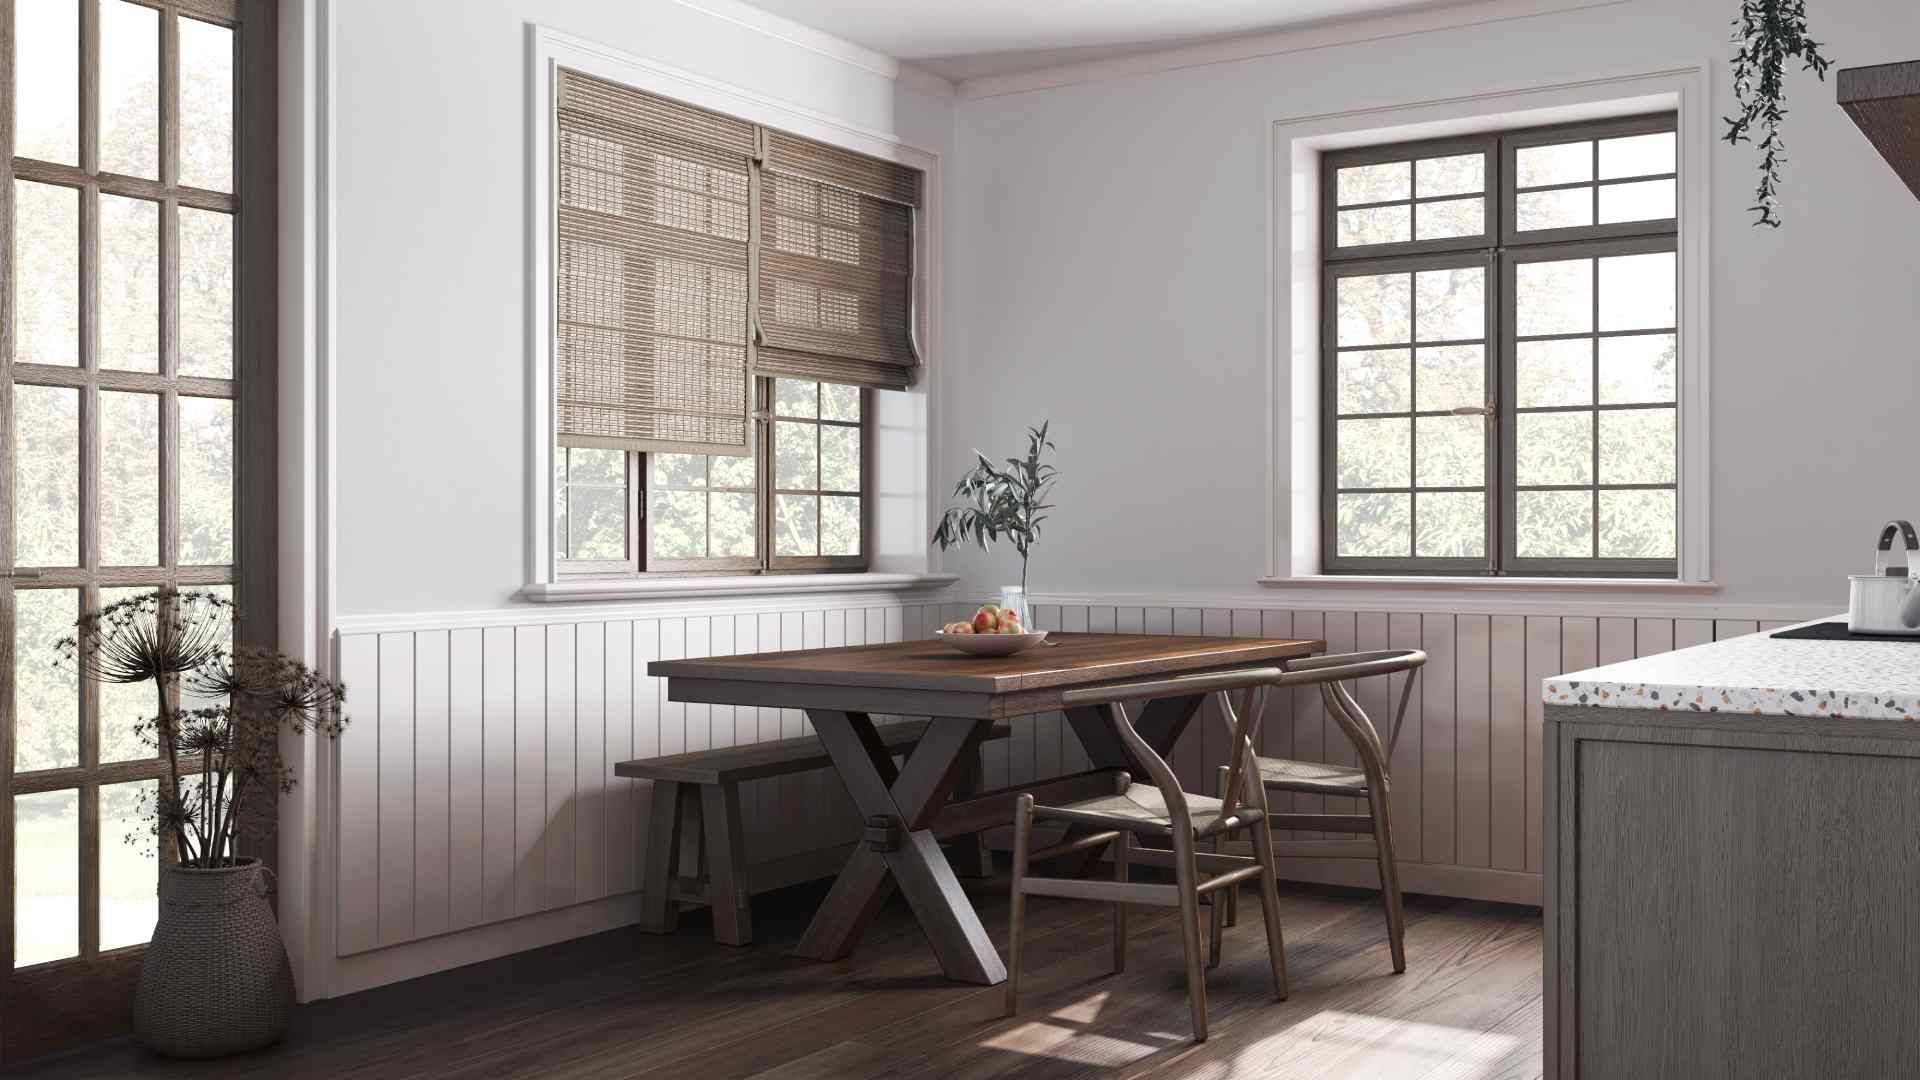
(1887, 601)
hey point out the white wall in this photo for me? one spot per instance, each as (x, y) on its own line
(430, 164)
(1108, 266)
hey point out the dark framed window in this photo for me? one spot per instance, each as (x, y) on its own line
(798, 503)
(1500, 354)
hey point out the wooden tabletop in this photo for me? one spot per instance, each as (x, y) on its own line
(1077, 660)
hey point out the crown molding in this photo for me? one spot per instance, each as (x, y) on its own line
(1272, 43)
(828, 45)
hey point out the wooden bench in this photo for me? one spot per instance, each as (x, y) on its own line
(697, 796)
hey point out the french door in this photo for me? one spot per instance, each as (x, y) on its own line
(136, 361)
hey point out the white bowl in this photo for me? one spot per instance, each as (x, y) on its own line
(992, 644)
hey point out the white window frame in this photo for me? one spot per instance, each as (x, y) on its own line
(902, 428)
(1294, 423)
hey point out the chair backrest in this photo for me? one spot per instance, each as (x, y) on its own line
(1332, 673)
(1245, 725)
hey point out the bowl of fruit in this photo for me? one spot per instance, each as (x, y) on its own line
(993, 631)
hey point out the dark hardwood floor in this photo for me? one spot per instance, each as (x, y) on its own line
(630, 1004)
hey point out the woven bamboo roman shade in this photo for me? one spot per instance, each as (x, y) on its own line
(836, 283)
(652, 273)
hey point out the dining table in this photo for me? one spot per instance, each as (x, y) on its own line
(909, 808)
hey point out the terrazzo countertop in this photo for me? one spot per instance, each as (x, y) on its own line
(1755, 673)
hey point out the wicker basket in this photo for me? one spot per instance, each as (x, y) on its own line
(216, 978)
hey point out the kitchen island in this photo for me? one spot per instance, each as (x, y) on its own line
(1733, 862)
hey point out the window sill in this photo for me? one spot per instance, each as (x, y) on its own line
(1664, 586)
(600, 589)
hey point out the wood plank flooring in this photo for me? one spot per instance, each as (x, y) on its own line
(627, 1004)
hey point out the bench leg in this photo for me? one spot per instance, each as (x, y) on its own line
(658, 911)
(726, 864)
(969, 854)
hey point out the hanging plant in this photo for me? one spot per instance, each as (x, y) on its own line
(1768, 33)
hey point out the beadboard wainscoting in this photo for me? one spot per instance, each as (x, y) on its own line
(475, 788)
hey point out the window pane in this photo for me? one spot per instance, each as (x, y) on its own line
(1553, 448)
(839, 402)
(1452, 217)
(1564, 208)
(1373, 382)
(1553, 524)
(129, 284)
(1452, 376)
(124, 707)
(46, 863)
(1636, 292)
(129, 864)
(206, 293)
(1452, 451)
(678, 470)
(839, 459)
(596, 522)
(129, 89)
(794, 398)
(1642, 368)
(732, 523)
(1374, 526)
(677, 524)
(1375, 453)
(1554, 373)
(1374, 183)
(1637, 155)
(795, 456)
(1457, 174)
(796, 525)
(727, 471)
(1553, 297)
(1376, 225)
(1451, 304)
(1375, 310)
(1638, 525)
(1637, 446)
(1649, 200)
(46, 696)
(46, 288)
(130, 479)
(46, 476)
(839, 525)
(1561, 163)
(46, 80)
(206, 481)
(1453, 525)
(206, 105)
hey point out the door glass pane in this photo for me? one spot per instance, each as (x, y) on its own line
(206, 482)
(1374, 526)
(1375, 310)
(1562, 163)
(1637, 292)
(796, 525)
(130, 479)
(46, 286)
(1642, 368)
(839, 525)
(189, 699)
(1558, 372)
(1458, 174)
(1553, 524)
(1452, 217)
(1637, 155)
(46, 80)
(46, 694)
(129, 864)
(1375, 225)
(1554, 297)
(1452, 451)
(129, 284)
(1649, 200)
(1375, 453)
(206, 105)
(1453, 525)
(129, 89)
(1376, 381)
(1552, 449)
(1562, 208)
(206, 293)
(1638, 525)
(1637, 446)
(125, 707)
(46, 476)
(46, 866)
(1451, 305)
(1374, 183)
(1452, 376)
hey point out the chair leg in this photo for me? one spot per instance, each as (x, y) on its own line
(1187, 880)
(1380, 805)
(1022, 837)
(1216, 917)
(1270, 905)
(1122, 851)
(1232, 896)
(658, 912)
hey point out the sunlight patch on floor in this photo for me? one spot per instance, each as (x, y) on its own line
(1394, 1045)
(1062, 1043)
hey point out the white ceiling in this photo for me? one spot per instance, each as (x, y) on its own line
(964, 39)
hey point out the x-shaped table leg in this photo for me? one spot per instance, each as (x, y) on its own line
(907, 801)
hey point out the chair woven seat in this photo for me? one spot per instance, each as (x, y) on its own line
(1142, 808)
(1311, 777)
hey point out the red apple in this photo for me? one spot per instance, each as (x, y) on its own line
(986, 620)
